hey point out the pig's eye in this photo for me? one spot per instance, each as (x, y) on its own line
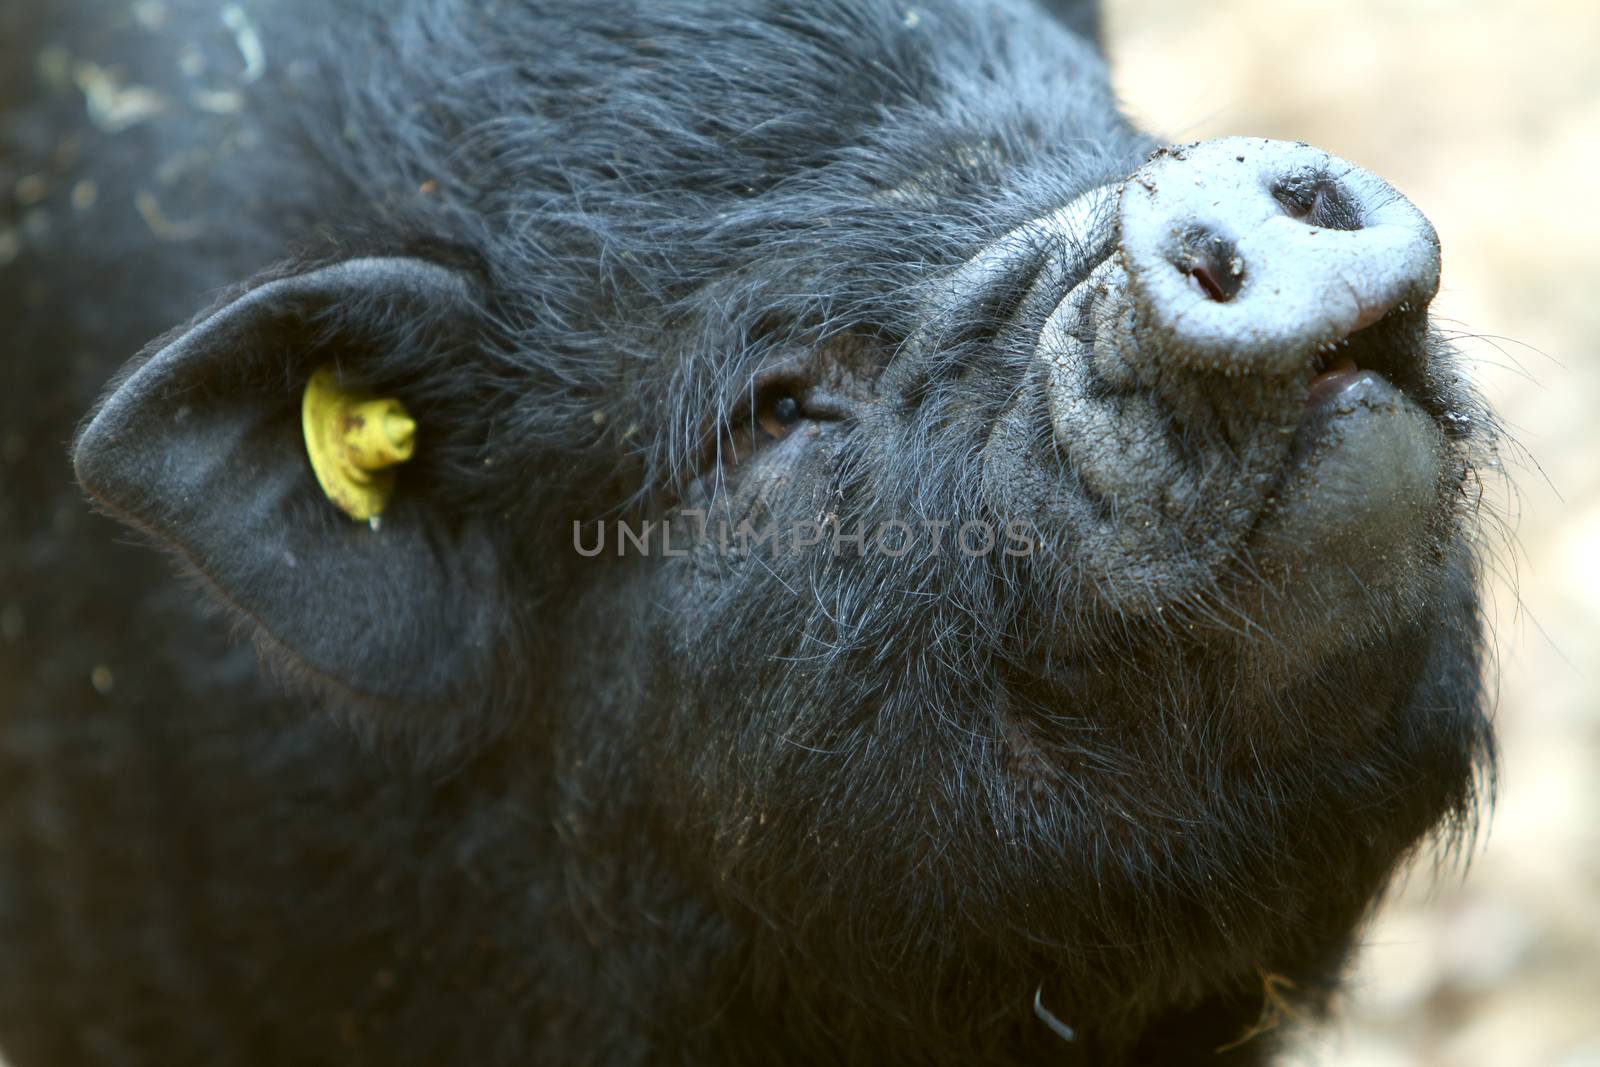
(775, 406)
(779, 413)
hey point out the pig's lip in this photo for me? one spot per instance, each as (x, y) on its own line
(1369, 369)
(1340, 375)
(1363, 442)
(1338, 385)
(1362, 475)
(1342, 390)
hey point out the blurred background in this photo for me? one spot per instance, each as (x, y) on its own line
(1487, 115)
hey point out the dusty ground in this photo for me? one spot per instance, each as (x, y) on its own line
(1487, 115)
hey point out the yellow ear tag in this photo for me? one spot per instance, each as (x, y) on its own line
(354, 442)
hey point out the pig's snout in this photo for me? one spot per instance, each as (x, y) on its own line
(1242, 255)
(1246, 370)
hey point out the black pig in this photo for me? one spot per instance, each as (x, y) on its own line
(1056, 617)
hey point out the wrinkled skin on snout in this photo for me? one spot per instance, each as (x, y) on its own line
(1121, 793)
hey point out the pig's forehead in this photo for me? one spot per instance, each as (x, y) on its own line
(746, 158)
(709, 113)
(787, 79)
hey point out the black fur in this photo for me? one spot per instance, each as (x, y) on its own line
(719, 808)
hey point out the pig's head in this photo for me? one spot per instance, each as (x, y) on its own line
(1117, 631)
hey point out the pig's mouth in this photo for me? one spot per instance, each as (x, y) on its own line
(1330, 377)
(1388, 357)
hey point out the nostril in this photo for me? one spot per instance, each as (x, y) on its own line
(1207, 279)
(1212, 263)
(1317, 200)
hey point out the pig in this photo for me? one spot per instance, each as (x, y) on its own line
(890, 564)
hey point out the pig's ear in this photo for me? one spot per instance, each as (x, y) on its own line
(203, 445)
